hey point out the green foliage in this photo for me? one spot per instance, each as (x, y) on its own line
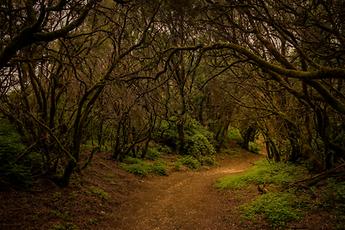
(167, 132)
(164, 149)
(264, 172)
(142, 168)
(253, 147)
(159, 168)
(139, 169)
(207, 160)
(132, 160)
(99, 193)
(198, 140)
(198, 145)
(153, 153)
(189, 161)
(234, 134)
(277, 208)
(11, 170)
(193, 127)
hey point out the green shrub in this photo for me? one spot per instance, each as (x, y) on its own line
(189, 161)
(198, 140)
(277, 208)
(159, 168)
(139, 169)
(253, 147)
(142, 168)
(198, 145)
(132, 160)
(264, 172)
(207, 160)
(153, 153)
(193, 127)
(167, 132)
(164, 149)
(234, 134)
(178, 165)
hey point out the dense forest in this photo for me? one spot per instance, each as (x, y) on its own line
(138, 78)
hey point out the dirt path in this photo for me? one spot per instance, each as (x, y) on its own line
(183, 200)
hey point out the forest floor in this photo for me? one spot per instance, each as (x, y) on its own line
(104, 196)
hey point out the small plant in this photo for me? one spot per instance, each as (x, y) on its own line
(164, 149)
(253, 147)
(277, 208)
(178, 165)
(99, 193)
(198, 145)
(234, 134)
(132, 160)
(153, 153)
(207, 160)
(159, 168)
(189, 161)
(139, 169)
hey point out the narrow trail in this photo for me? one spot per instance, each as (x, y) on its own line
(183, 200)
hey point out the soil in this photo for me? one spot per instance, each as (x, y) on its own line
(106, 197)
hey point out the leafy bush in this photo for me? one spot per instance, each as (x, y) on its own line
(132, 160)
(207, 160)
(198, 145)
(189, 161)
(153, 153)
(139, 169)
(164, 149)
(235, 135)
(142, 168)
(198, 140)
(253, 147)
(278, 208)
(167, 132)
(264, 172)
(193, 127)
(159, 168)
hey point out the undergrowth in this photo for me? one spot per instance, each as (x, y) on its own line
(140, 167)
(263, 172)
(277, 205)
(14, 169)
(278, 208)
